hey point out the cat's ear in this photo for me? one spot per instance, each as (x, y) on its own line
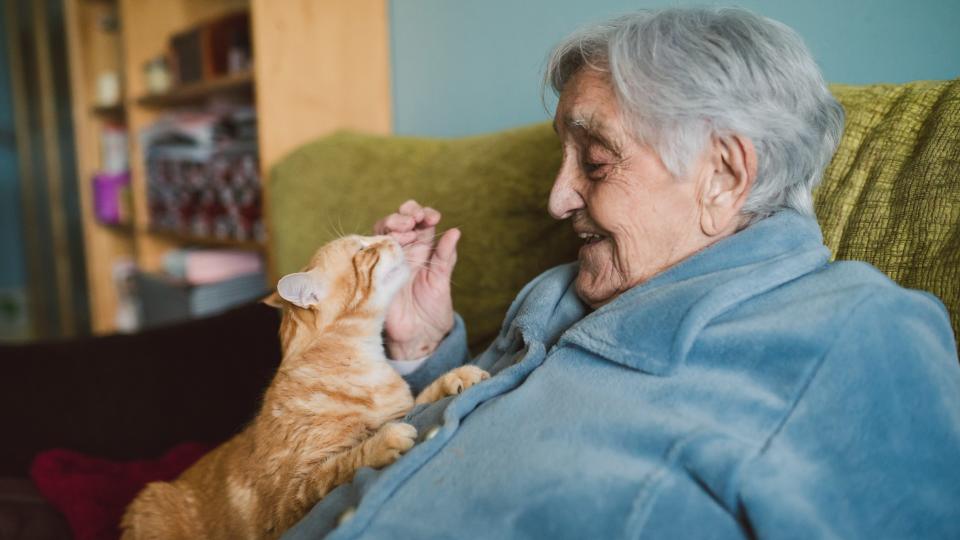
(301, 289)
(273, 300)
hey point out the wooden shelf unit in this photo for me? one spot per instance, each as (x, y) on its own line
(116, 112)
(93, 50)
(210, 241)
(327, 69)
(198, 92)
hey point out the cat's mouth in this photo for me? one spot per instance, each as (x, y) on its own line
(393, 269)
(399, 272)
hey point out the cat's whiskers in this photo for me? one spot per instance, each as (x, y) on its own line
(332, 228)
(428, 266)
(429, 241)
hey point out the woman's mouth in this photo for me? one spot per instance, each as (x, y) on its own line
(592, 242)
(590, 238)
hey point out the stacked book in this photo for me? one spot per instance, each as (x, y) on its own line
(200, 282)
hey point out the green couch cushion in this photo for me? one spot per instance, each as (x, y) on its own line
(890, 197)
(494, 188)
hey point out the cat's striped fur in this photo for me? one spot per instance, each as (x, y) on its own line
(330, 409)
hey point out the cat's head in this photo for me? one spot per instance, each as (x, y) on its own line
(358, 274)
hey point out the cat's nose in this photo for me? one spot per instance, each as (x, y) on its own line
(392, 245)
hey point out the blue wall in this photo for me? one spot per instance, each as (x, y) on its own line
(462, 67)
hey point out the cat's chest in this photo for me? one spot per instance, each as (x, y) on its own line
(390, 393)
(373, 390)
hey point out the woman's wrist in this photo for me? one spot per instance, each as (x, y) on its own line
(412, 349)
(419, 346)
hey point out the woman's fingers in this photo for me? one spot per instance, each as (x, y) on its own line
(413, 209)
(410, 216)
(404, 238)
(380, 227)
(411, 223)
(430, 217)
(445, 255)
(394, 223)
(423, 216)
(400, 223)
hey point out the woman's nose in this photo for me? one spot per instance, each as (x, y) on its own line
(564, 198)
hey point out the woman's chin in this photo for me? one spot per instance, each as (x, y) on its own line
(597, 250)
(590, 289)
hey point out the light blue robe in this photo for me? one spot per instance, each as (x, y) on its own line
(755, 389)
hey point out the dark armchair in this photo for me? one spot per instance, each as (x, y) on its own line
(126, 397)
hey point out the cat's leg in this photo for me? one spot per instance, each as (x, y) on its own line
(391, 441)
(452, 383)
(383, 448)
(162, 511)
(379, 450)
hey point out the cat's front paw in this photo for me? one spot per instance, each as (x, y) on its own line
(452, 383)
(389, 443)
(457, 380)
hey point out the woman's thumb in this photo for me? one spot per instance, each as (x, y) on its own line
(444, 257)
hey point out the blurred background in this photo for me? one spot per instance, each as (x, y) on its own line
(136, 136)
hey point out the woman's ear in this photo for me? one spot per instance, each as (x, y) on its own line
(301, 289)
(734, 169)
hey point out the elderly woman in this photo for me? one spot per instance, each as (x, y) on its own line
(702, 370)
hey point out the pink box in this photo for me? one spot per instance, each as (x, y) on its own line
(108, 193)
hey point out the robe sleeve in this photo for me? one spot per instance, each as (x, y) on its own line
(871, 446)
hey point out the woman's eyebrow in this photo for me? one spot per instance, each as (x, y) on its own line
(600, 133)
(592, 129)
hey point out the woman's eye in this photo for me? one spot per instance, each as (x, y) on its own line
(594, 169)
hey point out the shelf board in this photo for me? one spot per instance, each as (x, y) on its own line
(189, 239)
(124, 228)
(109, 111)
(199, 91)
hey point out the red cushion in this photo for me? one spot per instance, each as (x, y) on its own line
(92, 493)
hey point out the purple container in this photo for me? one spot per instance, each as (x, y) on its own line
(107, 194)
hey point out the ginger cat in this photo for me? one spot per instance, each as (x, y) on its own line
(329, 410)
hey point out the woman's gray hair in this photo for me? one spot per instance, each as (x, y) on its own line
(683, 75)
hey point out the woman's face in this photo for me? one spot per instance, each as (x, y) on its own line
(634, 217)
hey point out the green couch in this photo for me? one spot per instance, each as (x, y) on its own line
(891, 196)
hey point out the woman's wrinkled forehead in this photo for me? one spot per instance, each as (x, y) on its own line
(589, 110)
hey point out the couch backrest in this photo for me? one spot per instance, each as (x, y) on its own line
(891, 197)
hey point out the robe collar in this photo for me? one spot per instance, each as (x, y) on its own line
(653, 326)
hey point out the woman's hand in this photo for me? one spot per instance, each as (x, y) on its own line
(422, 312)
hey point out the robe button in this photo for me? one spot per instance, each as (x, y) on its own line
(346, 515)
(431, 433)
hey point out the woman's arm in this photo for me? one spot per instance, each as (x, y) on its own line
(449, 354)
